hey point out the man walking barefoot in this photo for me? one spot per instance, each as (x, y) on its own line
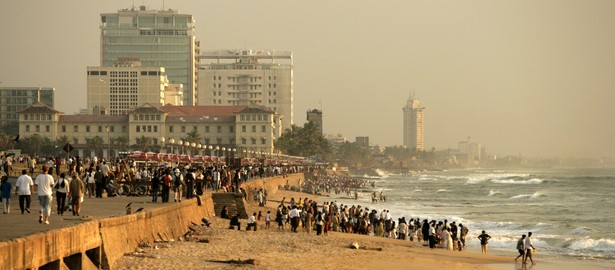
(529, 248)
(521, 248)
(44, 183)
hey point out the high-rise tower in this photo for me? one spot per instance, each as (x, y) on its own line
(414, 125)
(247, 77)
(157, 38)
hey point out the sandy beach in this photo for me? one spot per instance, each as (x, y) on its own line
(273, 248)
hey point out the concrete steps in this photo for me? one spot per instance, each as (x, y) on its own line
(233, 201)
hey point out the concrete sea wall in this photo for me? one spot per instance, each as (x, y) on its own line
(98, 244)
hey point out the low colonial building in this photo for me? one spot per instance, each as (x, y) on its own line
(158, 129)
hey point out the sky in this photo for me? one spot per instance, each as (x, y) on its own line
(527, 77)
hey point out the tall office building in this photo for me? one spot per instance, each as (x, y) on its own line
(14, 99)
(159, 38)
(315, 116)
(414, 125)
(245, 77)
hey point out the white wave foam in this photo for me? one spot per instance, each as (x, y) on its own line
(533, 181)
(443, 190)
(479, 178)
(593, 244)
(580, 231)
(536, 195)
(494, 192)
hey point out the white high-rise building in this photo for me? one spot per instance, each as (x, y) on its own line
(414, 125)
(158, 38)
(248, 77)
(125, 86)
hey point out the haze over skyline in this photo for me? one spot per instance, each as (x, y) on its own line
(519, 77)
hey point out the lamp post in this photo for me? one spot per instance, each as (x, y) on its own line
(162, 140)
(193, 145)
(180, 147)
(233, 155)
(187, 145)
(109, 141)
(211, 151)
(171, 142)
(224, 150)
(198, 147)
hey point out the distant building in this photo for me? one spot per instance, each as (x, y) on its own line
(250, 128)
(245, 77)
(127, 85)
(362, 141)
(414, 125)
(335, 140)
(471, 151)
(15, 99)
(159, 38)
(316, 117)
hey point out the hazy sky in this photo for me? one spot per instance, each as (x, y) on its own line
(531, 77)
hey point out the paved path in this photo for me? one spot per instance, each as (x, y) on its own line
(16, 225)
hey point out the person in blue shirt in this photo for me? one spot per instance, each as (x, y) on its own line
(6, 194)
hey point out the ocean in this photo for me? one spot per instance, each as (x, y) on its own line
(571, 211)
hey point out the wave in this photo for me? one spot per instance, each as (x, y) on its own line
(479, 178)
(580, 231)
(494, 192)
(536, 195)
(587, 243)
(532, 181)
(442, 190)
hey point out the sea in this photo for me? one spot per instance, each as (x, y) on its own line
(570, 211)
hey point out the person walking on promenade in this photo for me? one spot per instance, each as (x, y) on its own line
(521, 248)
(62, 190)
(44, 188)
(178, 185)
(484, 239)
(91, 180)
(529, 248)
(6, 187)
(23, 188)
(167, 181)
(156, 185)
(76, 191)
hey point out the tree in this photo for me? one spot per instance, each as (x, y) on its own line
(144, 143)
(121, 143)
(95, 144)
(306, 141)
(193, 137)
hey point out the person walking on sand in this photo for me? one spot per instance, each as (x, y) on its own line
(44, 184)
(529, 248)
(463, 233)
(521, 248)
(484, 239)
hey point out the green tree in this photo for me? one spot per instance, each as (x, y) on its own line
(144, 143)
(306, 141)
(121, 143)
(192, 136)
(95, 144)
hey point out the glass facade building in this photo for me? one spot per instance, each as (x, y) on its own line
(157, 38)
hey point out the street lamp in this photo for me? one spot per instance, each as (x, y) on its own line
(180, 147)
(171, 142)
(211, 151)
(162, 140)
(193, 145)
(186, 144)
(233, 152)
(198, 147)
(109, 140)
(217, 148)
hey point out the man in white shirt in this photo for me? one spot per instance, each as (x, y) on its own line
(294, 218)
(251, 222)
(23, 188)
(44, 183)
(529, 247)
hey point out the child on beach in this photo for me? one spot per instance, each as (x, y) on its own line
(268, 219)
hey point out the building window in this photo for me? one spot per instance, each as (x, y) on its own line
(149, 128)
(112, 128)
(47, 128)
(243, 128)
(253, 140)
(155, 128)
(206, 129)
(124, 128)
(138, 129)
(253, 128)
(243, 140)
(37, 128)
(263, 141)
(231, 129)
(87, 128)
(75, 128)
(100, 129)
(194, 128)
(27, 128)
(64, 128)
(219, 129)
(171, 129)
(242, 117)
(183, 129)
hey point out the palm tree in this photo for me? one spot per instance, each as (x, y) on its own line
(95, 144)
(143, 143)
(193, 136)
(121, 143)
